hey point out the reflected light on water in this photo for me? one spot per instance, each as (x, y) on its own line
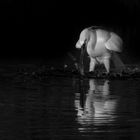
(99, 106)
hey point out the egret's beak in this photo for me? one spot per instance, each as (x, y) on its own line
(81, 66)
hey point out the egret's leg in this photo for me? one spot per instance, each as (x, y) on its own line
(107, 64)
(92, 64)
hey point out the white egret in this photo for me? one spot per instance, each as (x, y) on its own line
(102, 47)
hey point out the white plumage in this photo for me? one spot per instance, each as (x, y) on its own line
(101, 46)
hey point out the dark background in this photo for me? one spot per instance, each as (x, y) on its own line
(32, 29)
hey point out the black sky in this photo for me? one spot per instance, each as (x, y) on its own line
(38, 29)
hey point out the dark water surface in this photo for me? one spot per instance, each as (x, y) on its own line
(68, 108)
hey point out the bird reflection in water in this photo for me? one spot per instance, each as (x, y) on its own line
(98, 107)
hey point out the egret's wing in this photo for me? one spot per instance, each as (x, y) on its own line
(114, 43)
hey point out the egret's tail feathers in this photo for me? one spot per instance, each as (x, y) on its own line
(119, 65)
(114, 43)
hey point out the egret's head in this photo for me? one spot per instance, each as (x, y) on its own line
(82, 39)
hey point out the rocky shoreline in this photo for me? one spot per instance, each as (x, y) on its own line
(131, 72)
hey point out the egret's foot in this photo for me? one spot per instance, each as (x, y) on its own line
(91, 72)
